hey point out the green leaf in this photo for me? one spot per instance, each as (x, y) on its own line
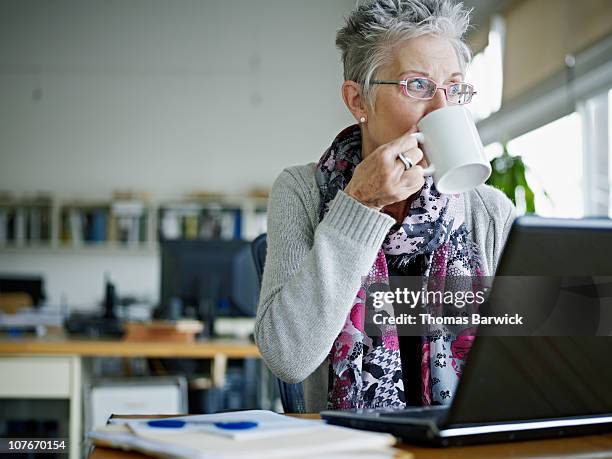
(501, 176)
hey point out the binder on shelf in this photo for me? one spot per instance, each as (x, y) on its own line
(191, 225)
(142, 229)
(45, 224)
(254, 224)
(111, 230)
(209, 228)
(129, 216)
(237, 224)
(20, 226)
(228, 225)
(170, 225)
(75, 222)
(34, 225)
(134, 231)
(99, 226)
(128, 229)
(3, 226)
(45, 231)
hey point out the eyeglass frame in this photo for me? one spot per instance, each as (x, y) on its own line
(404, 84)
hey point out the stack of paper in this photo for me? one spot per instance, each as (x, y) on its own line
(275, 436)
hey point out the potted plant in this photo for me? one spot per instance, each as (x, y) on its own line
(508, 175)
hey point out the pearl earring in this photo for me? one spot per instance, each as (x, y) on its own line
(362, 119)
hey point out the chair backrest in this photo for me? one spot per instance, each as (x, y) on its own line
(259, 248)
(292, 395)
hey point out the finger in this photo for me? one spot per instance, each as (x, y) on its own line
(403, 143)
(415, 155)
(417, 170)
(408, 159)
(412, 177)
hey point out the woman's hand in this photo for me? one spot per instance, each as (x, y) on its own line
(382, 179)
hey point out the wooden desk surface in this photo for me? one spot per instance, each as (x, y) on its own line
(591, 446)
(62, 345)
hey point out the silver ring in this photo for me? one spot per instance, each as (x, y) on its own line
(407, 163)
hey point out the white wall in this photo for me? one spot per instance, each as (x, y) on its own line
(76, 277)
(159, 96)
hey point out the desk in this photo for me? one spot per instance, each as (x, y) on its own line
(61, 345)
(60, 360)
(592, 446)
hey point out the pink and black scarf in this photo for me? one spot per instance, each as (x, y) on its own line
(366, 371)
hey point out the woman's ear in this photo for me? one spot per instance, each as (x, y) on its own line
(351, 94)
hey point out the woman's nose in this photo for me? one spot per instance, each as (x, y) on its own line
(437, 101)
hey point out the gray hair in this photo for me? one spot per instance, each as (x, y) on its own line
(376, 26)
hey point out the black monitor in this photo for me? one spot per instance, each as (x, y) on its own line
(32, 285)
(216, 277)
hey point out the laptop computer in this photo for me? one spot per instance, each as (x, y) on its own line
(523, 387)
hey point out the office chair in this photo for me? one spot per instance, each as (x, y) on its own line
(292, 395)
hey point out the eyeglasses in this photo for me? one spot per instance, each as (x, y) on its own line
(422, 88)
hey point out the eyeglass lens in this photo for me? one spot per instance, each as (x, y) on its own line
(422, 88)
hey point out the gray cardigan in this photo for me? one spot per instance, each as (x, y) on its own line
(313, 270)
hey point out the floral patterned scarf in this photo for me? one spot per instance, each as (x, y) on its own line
(366, 371)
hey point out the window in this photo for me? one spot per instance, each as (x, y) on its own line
(485, 72)
(553, 155)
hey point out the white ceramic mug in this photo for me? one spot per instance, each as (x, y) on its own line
(453, 149)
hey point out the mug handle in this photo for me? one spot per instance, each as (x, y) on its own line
(420, 138)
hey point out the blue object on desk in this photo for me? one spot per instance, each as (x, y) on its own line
(179, 424)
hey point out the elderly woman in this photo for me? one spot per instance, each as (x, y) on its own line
(358, 210)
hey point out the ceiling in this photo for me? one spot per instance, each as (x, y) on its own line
(483, 9)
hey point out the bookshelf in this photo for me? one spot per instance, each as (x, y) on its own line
(26, 221)
(48, 223)
(223, 217)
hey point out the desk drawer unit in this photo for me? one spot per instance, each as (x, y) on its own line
(46, 377)
(35, 377)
